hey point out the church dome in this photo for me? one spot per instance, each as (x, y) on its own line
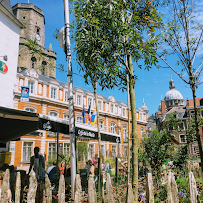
(144, 108)
(173, 94)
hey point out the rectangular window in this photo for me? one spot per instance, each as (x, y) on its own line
(123, 111)
(99, 105)
(66, 117)
(125, 134)
(79, 100)
(89, 102)
(52, 150)
(53, 93)
(91, 151)
(181, 126)
(113, 150)
(66, 149)
(79, 120)
(27, 150)
(101, 123)
(66, 96)
(141, 116)
(112, 128)
(125, 151)
(31, 87)
(182, 138)
(111, 108)
(102, 150)
(53, 114)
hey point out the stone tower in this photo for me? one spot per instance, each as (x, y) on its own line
(33, 19)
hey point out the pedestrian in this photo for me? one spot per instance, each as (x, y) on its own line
(62, 168)
(95, 159)
(52, 173)
(37, 163)
(88, 164)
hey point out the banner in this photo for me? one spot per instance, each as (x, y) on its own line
(24, 93)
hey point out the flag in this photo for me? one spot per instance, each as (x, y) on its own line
(83, 113)
(89, 114)
(93, 118)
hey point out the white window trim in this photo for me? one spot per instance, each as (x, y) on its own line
(141, 115)
(180, 138)
(65, 113)
(79, 117)
(114, 146)
(64, 93)
(110, 108)
(28, 106)
(101, 104)
(32, 153)
(76, 99)
(125, 126)
(103, 123)
(124, 109)
(114, 127)
(91, 107)
(48, 149)
(90, 151)
(57, 91)
(55, 111)
(34, 86)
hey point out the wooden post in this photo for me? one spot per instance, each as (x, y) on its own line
(130, 196)
(18, 188)
(192, 188)
(61, 190)
(92, 198)
(78, 189)
(5, 187)
(172, 190)
(32, 188)
(109, 191)
(150, 189)
(47, 192)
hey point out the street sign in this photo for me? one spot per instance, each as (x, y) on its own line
(3, 67)
(24, 93)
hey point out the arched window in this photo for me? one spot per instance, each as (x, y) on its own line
(33, 60)
(30, 110)
(44, 63)
(53, 114)
(66, 117)
(113, 127)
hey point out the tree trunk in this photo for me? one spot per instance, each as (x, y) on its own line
(134, 130)
(100, 155)
(196, 125)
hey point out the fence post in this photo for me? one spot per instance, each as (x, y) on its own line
(150, 189)
(47, 192)
(5, 187)
(32, 188)
(92, 198)
(78, 189)
(109, 191)
(172, 190)
(18, 188)
(61, 190)
(130, 195)
(192, 188)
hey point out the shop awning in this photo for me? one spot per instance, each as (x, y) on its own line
(15, 123)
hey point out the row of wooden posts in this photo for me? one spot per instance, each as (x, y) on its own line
(172, 190)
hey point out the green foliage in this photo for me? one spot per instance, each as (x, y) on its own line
(61, 158)
(82, 149)
(160, 193)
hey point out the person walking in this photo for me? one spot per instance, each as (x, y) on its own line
(37, 163)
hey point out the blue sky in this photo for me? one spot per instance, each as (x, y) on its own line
(150, 84)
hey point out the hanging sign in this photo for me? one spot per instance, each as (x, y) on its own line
(3, 67)
(24, 93)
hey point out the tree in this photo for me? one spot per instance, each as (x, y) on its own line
(124, 31)
(182, 37)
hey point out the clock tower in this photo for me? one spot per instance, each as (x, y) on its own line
(33, 19)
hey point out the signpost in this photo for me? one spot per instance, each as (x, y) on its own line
(3, 67)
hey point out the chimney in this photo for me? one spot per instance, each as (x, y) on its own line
(163, 107)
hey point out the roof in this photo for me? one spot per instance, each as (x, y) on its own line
(180, 110)
(43, 78)
(5, 5)
(173, 94)
(191, 102)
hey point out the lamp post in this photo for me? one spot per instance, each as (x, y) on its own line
(70, 99)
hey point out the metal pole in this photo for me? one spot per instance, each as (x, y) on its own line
(57, 152)
(128, 127)
(70, 99)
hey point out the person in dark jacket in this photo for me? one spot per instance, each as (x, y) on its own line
(52, 172)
